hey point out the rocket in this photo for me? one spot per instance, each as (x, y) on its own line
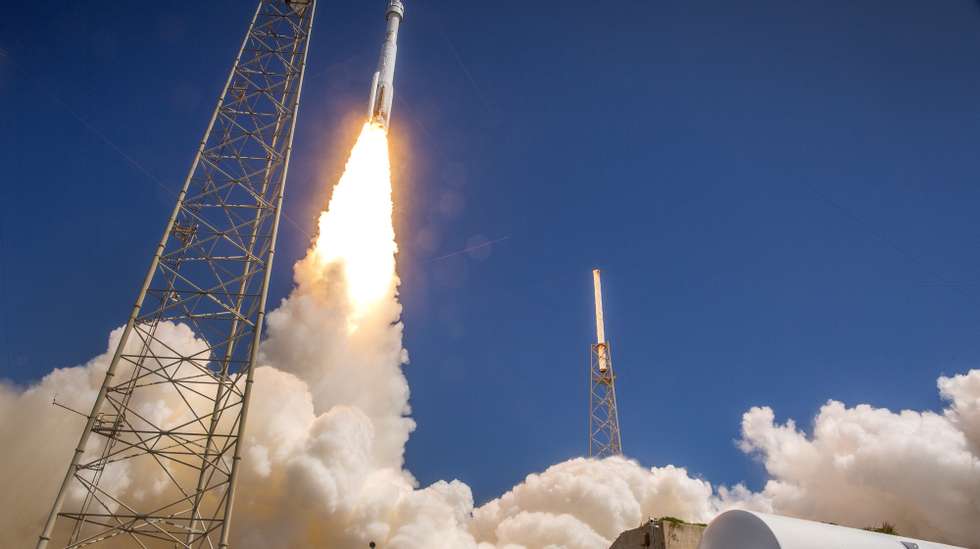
(383, 83)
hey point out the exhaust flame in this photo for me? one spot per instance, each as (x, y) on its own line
(356, 230)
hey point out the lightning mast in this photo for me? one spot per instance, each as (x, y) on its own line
(604, 435)
(176, 415)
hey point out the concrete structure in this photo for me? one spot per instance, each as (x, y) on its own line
(661, 534)
(748, 530)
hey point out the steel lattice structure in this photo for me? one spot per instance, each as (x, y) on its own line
(210, 274)
(604, 436)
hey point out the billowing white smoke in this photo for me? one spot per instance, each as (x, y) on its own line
(585, 503)
(38, 438)
(964, 393)
(865, 465)
(329, 422)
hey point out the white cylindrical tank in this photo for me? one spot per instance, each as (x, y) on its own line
(749, 530)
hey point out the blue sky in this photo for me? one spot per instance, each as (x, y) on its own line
(782, 196)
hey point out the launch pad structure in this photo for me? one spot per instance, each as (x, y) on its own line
(604, 436)
(210, 273)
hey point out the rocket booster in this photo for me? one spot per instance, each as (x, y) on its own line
(383, 83)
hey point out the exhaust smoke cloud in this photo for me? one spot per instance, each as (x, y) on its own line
(324, 449)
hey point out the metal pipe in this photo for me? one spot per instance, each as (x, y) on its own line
(59, 501)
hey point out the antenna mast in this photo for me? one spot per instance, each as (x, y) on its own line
(604, 436)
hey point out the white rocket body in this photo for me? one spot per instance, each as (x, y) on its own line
(383, 83)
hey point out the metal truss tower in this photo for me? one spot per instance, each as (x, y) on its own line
(604, 436)
(173, 416)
